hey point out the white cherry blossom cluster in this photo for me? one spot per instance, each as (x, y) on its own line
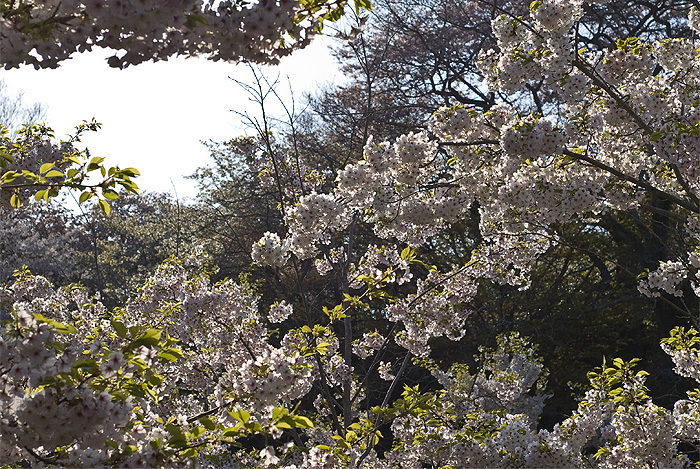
(472, 400)
(556, 16)
(382, 265)
(280, 311)
(694, 19)
(390, 174)
(47, 418)
(432, 312)
(270, 250)
(32, 149)
(676, 54)
(45, 32)
(312, 220)
(453, 124)
(530, 138)
(621, 66)
(275, 376)
(645, 434)
(615, 133)
(371, 342)
(384, 370)
(325, 264)
(666, 278)
(228, 351)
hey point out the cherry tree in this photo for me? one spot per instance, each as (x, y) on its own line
(190, 372)
(621, 138)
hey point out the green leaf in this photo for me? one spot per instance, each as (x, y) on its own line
(58, 326)
(193, 19)
(150, 338)
(279, 412)
(322, 348)
(240, 415)
(45, 167)
(139, 363)
(232, 432)
(104, 206)
(156, 380)
(130, 449)
(110, 194)
(362, 5)
(95, 163)
(197, 431)
(87, 365)
(302, 422)
(131, 172)
(129, 186)
(254, 427)
(84, 196)
(54, 173)
(340, 441)
(208, 423)
(190, 453)
(167, 357)
(9, 176)
(284, 424)
(174, 351)
(120, 328)
(178, 439)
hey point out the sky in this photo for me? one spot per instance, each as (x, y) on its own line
(155, 115)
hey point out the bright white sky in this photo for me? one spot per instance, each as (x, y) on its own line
(155, 115)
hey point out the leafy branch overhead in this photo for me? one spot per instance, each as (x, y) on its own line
(33, 165)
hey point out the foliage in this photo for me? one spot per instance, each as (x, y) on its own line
(32, 164)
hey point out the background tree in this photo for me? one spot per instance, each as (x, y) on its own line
(122, 249)
(16, 112)
(42, 237)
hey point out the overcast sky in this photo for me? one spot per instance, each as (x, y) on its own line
(154, 115)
